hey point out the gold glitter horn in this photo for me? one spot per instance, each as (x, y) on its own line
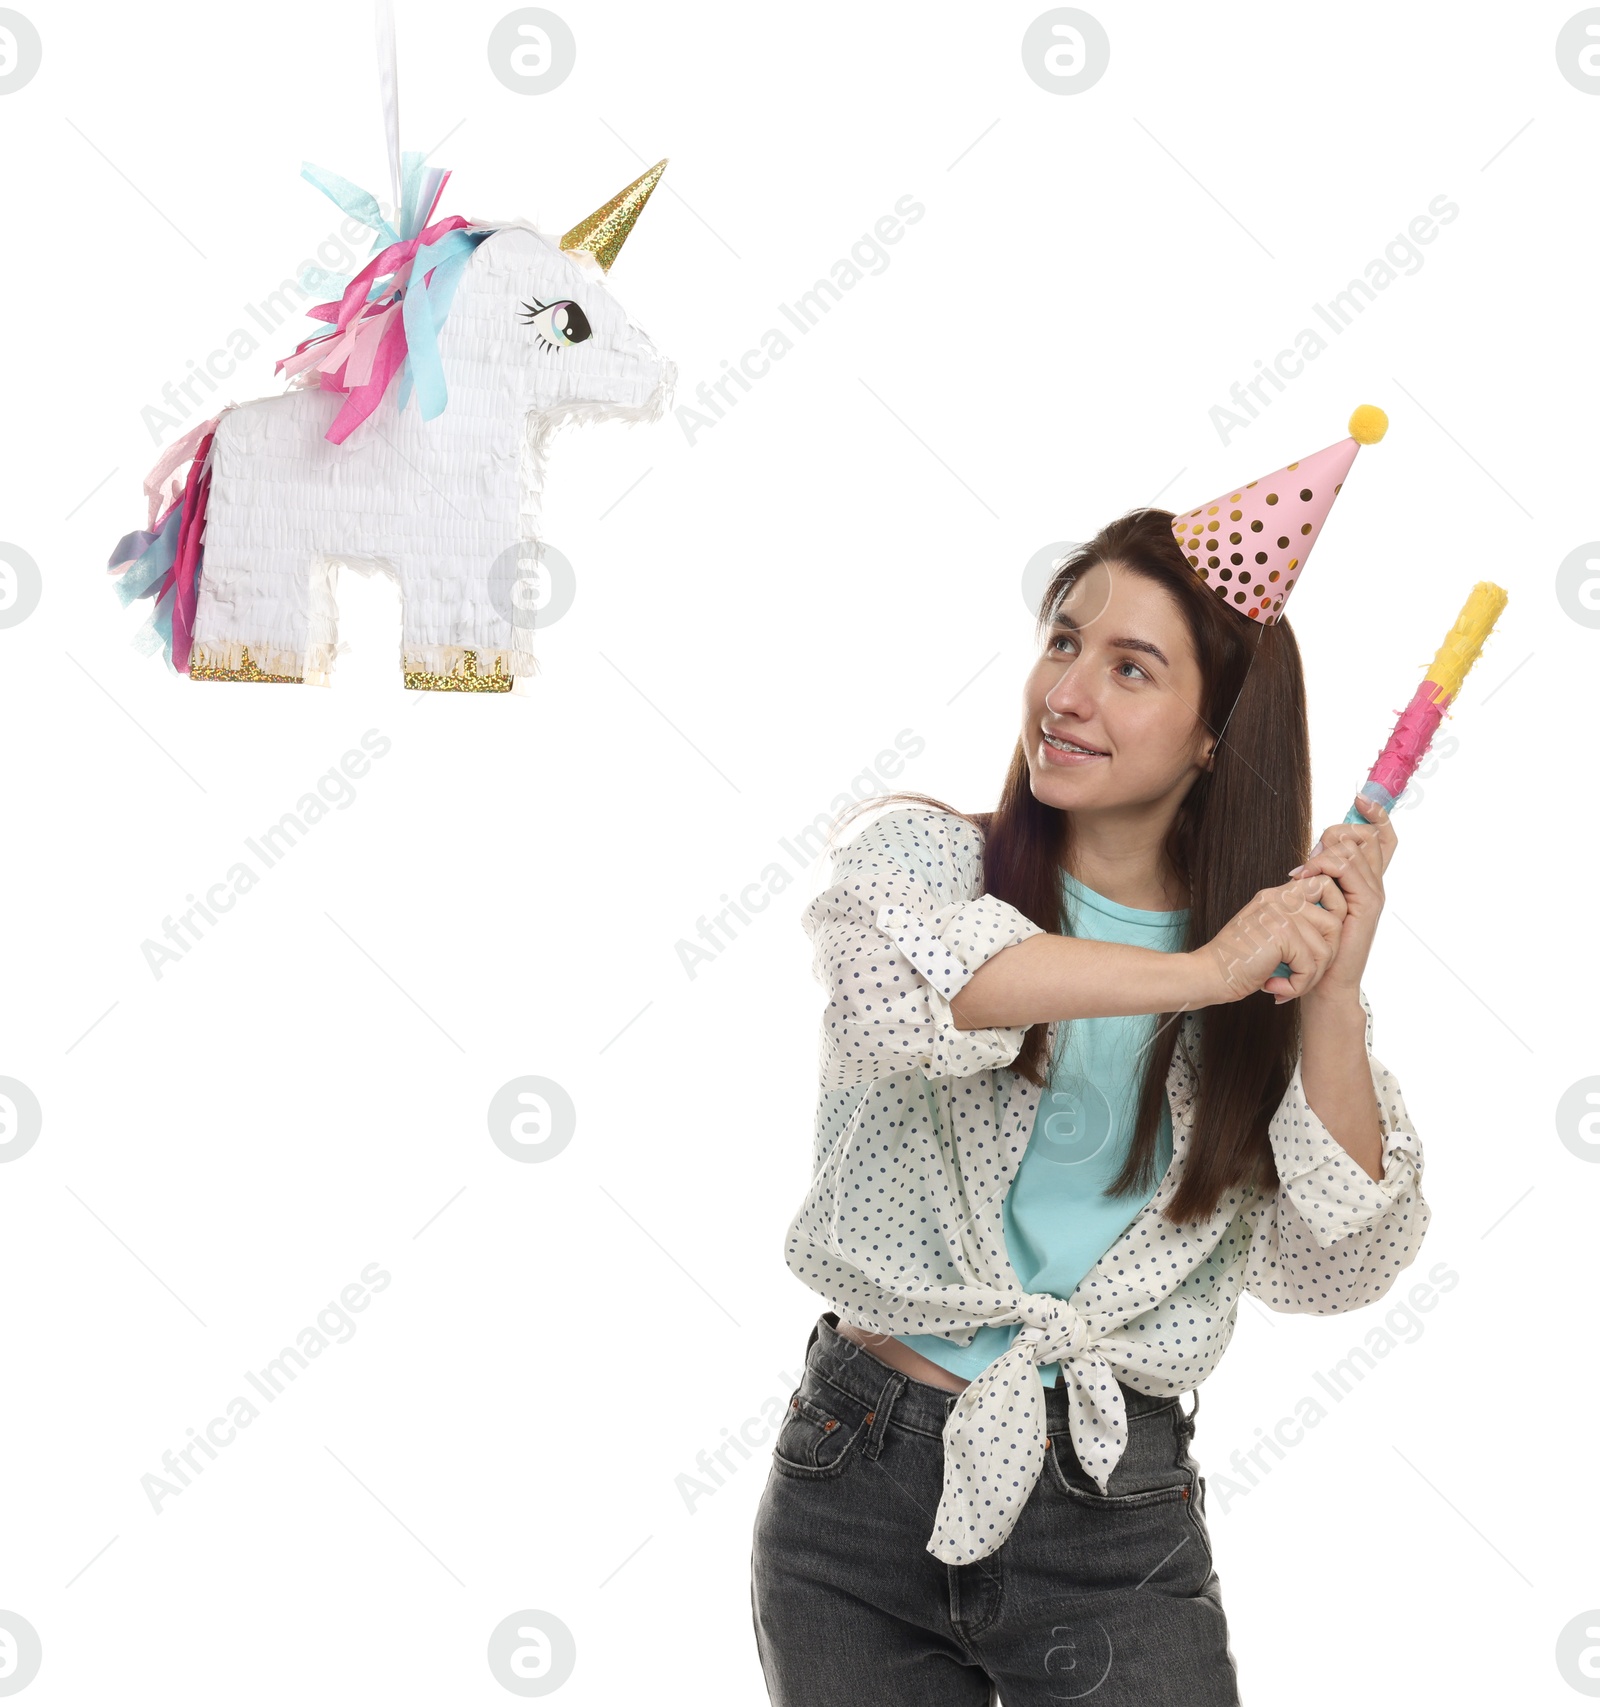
(604, 232)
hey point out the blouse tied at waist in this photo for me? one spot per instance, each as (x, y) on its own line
(994, 1437)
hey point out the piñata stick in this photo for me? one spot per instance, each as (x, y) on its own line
(1420, 720)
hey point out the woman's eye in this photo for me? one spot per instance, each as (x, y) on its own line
(1061, 640)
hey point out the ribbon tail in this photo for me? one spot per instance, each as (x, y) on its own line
(1097, 1415)
(410, 193)
(987, 1479)
(130, 548)
(438, 177)
(314, 353)
(422, 350)
(156, 635)
(141, 578)
(173, 458)
(365, 336)
(358, 203)
(439, 267)
(186, 568)
(363, 399)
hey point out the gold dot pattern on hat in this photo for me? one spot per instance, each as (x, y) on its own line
(1234, 582)
(1254, 572)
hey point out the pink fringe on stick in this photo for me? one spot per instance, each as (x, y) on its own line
(1416, 728)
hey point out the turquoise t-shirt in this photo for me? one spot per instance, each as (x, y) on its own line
(1058, 1219)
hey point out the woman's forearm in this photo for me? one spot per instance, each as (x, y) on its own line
(1061, 978)
(1337, 1079)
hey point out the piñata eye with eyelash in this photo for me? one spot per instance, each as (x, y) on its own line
(557, 324)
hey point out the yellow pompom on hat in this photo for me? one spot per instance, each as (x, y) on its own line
(1250, 546)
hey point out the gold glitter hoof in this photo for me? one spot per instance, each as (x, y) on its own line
(248, 670)
(464, 678)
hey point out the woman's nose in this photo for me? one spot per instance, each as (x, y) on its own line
(1066, 695)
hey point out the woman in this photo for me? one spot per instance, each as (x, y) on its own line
(1061, 1128)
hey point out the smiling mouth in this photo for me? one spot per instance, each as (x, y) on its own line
(1063, 745)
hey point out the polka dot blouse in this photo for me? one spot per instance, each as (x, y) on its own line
(921, 1128)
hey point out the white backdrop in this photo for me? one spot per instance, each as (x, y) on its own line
(526, 1415)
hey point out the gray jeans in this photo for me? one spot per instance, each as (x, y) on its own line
(1109, 1598)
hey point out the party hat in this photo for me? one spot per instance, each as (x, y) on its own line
(1251, 546)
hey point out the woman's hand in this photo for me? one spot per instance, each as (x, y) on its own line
(1282, 923)
(1355, 856)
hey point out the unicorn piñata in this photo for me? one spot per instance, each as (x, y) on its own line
(503, 333)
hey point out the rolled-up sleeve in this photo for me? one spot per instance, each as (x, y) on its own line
(898, 932)
(1331, 1237)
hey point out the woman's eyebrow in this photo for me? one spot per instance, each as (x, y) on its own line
(1059, 620)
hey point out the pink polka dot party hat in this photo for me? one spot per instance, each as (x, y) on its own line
(1250, 546)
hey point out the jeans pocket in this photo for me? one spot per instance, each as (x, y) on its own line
(1168, 1493)
(1153, 1470)
(819, 1431)
(1150, 1532)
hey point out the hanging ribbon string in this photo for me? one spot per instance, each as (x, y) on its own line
(389, 90)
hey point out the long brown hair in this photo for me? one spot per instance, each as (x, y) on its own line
(1241, 827)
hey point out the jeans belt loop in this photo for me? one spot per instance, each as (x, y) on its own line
(892, 1389)
(1186, 1418)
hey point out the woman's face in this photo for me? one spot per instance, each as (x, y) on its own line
(1117, 673)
